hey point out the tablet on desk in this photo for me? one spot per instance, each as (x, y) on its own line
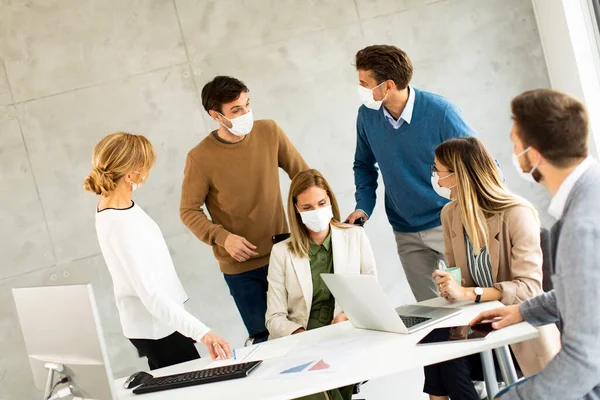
(464, 333)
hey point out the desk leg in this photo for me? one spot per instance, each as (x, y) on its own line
(507, 367)
(489, 373)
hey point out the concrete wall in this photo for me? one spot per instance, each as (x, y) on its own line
(72, 71)
(569, 40)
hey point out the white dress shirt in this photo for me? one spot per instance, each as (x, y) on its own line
(557, 205)
(148, 292)
(407, 113)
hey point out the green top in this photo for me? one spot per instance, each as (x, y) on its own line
(323, 303)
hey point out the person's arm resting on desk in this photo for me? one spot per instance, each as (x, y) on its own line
(276, 319)
(575, 370)
(365, 176)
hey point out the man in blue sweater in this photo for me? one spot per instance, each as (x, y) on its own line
(400, 139)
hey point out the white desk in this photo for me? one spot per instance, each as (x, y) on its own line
(382, 354)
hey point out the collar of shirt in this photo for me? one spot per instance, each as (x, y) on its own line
(557, 205)
(406, 113)
(314, 248)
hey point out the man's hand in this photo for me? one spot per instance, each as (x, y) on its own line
(356, 215)
(502, 317)
(299, 330)
(218, 348)
(239, 248)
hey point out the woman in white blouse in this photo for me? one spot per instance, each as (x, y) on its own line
(148, 292)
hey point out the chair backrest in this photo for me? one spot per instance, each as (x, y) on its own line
(283, 236)
(547, 260)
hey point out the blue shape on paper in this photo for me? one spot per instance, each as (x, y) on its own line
(298, 368)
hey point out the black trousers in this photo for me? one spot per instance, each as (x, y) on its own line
(452, 378)
(170, 350)
(455, 378)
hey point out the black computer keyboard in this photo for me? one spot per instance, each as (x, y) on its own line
(410, 321)
(197, 377)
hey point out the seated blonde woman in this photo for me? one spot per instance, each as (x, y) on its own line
(298, 299)
(494, 237)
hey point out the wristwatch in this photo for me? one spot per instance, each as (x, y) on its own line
(478, 293)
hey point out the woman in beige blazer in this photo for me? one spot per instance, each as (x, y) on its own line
(298, 299)
(493, 236)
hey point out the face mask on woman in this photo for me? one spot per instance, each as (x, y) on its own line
(445, 192)
(317, 220)
(136, 186)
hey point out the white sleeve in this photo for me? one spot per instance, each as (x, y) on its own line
(135, 251)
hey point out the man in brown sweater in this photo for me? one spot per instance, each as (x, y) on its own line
(234, 171)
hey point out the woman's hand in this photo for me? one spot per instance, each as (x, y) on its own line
(341, 317)
(218, 348)
(299, 330)
(448, 287)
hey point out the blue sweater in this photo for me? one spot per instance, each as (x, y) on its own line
(405, 156)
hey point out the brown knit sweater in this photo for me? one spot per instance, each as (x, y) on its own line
(239, 184)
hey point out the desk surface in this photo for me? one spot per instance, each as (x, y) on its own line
(371, 355)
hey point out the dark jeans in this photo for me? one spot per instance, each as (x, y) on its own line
(249, 291)
(170, 350)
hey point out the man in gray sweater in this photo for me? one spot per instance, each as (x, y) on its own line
(550, 134)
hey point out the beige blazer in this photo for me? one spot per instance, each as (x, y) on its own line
(290, 293)
(516, 256)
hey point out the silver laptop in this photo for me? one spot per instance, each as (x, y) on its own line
(367, 307)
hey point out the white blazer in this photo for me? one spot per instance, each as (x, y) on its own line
(290, 294)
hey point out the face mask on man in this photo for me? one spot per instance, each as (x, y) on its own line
(528, 176)
(366, 96)
(317, 220)
(240, 126)
(445, 192)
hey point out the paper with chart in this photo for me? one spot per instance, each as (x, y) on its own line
(325, 357)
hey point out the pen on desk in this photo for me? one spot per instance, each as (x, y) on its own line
(234, 355)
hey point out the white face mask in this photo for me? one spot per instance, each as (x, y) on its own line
(366, 96)
(445, 192)
(317, 220)
(242, 125)
(528, 176)
(136, 186)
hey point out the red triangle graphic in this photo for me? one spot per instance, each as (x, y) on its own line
(320, 365)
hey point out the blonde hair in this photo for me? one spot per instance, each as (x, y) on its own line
(480, 191)
(300, 242)
(115, 156)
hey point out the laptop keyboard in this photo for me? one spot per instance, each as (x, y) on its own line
(410, 321)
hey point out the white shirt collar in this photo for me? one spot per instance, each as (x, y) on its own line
(557, 205)
(406, 113)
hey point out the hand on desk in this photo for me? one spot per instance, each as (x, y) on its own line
(449, 289)
(503, 317)
(239, 248)
(299, 330)
(341, 317)
(217, 347)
